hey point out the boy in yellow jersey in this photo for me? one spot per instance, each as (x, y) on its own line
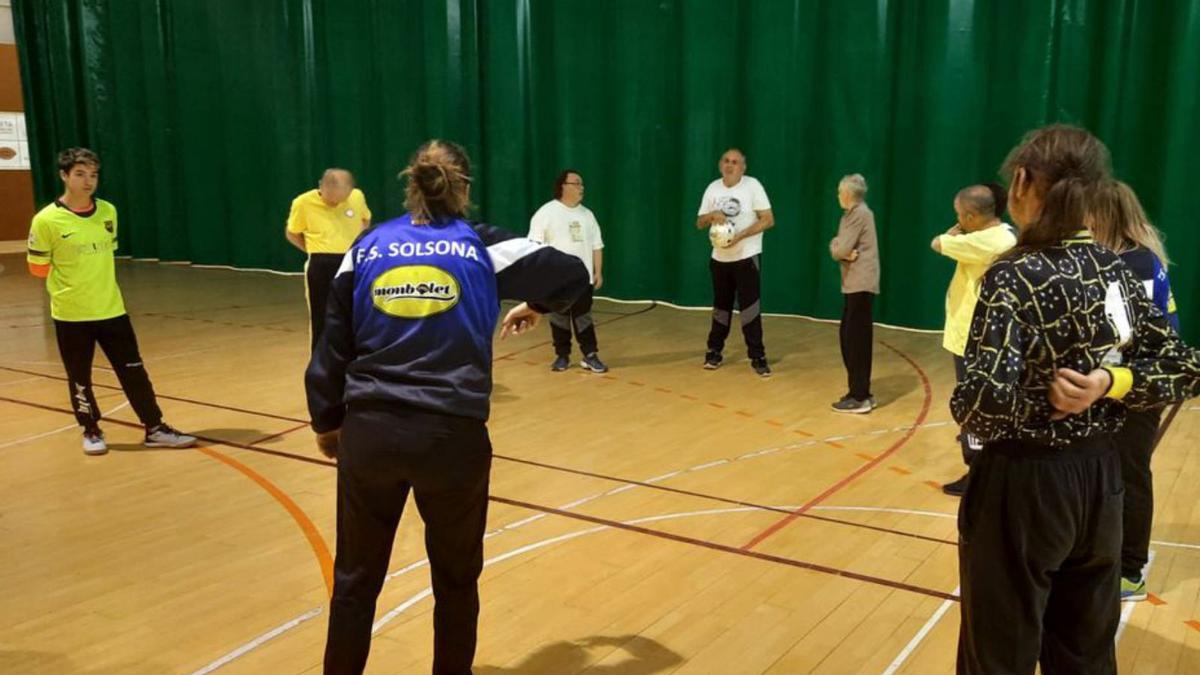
(323, 223)
(975, 241)
(71, 244)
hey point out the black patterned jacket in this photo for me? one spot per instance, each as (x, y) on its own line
(1075, 306)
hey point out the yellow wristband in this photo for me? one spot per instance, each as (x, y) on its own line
(1122, 382)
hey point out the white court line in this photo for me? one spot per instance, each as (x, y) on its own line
(21, 381)
(1126, 612)
(912, 512)
(1175, 545)
(1128, 607)
(44, 434)
(258, 641)
(920, 636)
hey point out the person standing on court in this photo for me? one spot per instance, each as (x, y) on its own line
(322, 223)
(856, 250)
(569, 226)
(976, 239)
(1118, 222)
(399, 387)
(71, 245)
(736, 268)
(1062, 342)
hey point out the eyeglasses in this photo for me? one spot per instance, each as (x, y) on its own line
(567, 182)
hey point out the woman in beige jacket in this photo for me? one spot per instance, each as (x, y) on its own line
(857, 251)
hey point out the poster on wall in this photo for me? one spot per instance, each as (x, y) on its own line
(14, 147)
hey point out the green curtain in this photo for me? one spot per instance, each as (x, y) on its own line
(210, 115)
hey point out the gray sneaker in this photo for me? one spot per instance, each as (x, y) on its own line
(593, 363)
(165, 436)
(560, 364)
(853, 405)
(93, 442)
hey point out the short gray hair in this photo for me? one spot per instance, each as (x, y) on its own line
(855, 184)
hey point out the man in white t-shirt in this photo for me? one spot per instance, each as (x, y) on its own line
(740, 200)
(569, 226)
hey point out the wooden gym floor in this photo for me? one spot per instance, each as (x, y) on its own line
(658, 519)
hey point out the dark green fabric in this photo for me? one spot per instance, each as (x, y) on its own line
(210, 115)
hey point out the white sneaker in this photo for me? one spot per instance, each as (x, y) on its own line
(165, 436)
(93, 443)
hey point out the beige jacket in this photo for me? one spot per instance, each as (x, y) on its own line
(857, 231)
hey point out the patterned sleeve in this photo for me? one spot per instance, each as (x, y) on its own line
(991, 401)
(1158, 367)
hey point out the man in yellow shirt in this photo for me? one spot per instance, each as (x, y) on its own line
(71, 244)
(977, 239)
(324, 223)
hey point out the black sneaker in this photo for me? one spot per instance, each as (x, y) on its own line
(560, 364)
(957, 488)
(760, 366)
(853, 405)
(593, 363)
(712, 360)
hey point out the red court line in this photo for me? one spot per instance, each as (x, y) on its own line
(315, 541)
(716, 498)
(166, 397)
(855, 475)
(792, 562)
(254, 447)
(653, 305)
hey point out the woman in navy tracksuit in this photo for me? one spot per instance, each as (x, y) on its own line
(398, 390)
(1119, 223)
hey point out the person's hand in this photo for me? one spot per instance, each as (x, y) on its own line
(954, 230)
(598, 280)
(519, 320)
(1072, 392)
(853, 257)
(330, 443)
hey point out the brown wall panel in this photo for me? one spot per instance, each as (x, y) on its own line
(16, 187)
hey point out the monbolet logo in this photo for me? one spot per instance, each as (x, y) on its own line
(415, 291)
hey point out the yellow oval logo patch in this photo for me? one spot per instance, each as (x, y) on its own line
(415, 291)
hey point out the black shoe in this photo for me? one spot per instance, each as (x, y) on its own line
(760, 366)
(560, 364)
(957, 488)
(593, 363)
(855, 406)
(712, 360)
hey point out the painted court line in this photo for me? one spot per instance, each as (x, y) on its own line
(855, 475)
(259, 641)
(920, 636)
(52, 432)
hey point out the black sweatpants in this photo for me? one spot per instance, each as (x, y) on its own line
(579, 319)
(1039, 558)
(740, 279)
(77, 345)
(318, 277)
(970, 444)
(857, 335)
(386, 451)
(1135, 443)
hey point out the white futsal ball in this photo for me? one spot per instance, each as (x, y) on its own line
(721, 235)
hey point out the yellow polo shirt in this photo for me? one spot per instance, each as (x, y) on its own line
(974, 252)
(328, 229)
(79, 249)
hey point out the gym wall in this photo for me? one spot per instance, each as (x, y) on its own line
(210, 115)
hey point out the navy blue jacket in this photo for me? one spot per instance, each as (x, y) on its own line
(412, 310)
(1142, 262)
